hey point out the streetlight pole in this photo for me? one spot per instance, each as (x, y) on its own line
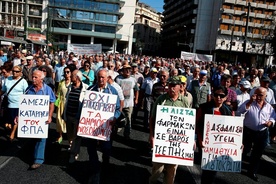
(128, 49)
(26, 20)
(246, 28)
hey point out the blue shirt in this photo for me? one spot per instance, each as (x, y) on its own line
(19, 89)
(4, 58)
(58, 70)
(255, 118)
(45, 90)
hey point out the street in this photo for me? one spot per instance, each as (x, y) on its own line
(130, 163)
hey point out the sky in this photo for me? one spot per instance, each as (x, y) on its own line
(156, 4)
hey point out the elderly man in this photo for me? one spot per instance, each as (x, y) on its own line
(259, 115)
(39, 88)
(104, 87)
(58, 72)
(72, 112)
(172, 98)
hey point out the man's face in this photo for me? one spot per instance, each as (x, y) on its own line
(174, 90)
(264, 84)
(74, 77)
(260, 95)
(163, 77)
(39, 62)
(134, 69)
(226, 83)
(102, 78)
(1, 53)
(126, 72)
(37, 80)
(62, 61)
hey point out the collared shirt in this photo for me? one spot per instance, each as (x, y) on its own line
(4, 58)
(242, 97)
(58, 70)
(45, 90)
(256, 117)
(159, 89)
(148, 84)
(269, 95)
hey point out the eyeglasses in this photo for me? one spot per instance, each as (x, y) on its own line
(219, 95)
(44, 70)
(111, 66)
(87, 65)
(66, 72)
(15, 71)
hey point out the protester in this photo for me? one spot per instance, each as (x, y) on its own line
(103, 87)
(259, 115)
(39, 88)
(172, 98)
(87, 74)
(58, 72)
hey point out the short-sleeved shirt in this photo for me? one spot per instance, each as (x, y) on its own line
(45, 90)
(148, 84)
(159, 89)
(14, 94)
(58, 70)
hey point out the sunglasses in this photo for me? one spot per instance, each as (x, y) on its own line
(219, 95)
(15, 71)
(67, 72)
(87, 65)
(111, 66)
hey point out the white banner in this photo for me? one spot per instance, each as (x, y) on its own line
(97, 112)
(88, 49)
(174, 135)
(195, 56)
(32, 116)
(222, 140)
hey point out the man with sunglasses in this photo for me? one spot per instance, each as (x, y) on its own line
(259, 116)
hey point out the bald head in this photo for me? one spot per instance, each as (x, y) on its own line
(261, 90)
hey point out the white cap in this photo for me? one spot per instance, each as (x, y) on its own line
(75, 59)
(245, 83)
(29, 57)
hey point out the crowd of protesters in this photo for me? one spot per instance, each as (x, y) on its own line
(141, 83)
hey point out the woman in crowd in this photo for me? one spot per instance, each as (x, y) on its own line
(87, 74)
(48, 79)
(61, 94)
(15, 85)
(217, 107)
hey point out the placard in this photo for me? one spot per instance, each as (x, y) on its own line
(174, 135)
(222, 140)
(32, 116)
(88, 49)
(97, 112)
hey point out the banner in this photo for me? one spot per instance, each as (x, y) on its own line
(195, 56)
(222, 140)
(174, 135)
(97, 112)
(88, 49)
(32, 116)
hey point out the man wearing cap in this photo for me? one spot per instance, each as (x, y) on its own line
(27, 69)
(184, 92)
(172, 98)
(148, 99)
(131, 94)
(146, 72)
(269, 94)
(200, 90)
(242, 93)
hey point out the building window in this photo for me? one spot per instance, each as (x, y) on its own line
(35, 10)
(81, 26)
(34, 23)
(104, 29)
(60, 24)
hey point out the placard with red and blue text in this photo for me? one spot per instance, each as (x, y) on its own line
(32, 116)
(222, 140)
(174, 135)
(97, 113)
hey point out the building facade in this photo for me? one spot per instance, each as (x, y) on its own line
(91, 22)
(209, 26)
(147, 30)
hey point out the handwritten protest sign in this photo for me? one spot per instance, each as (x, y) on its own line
(222, 139)
(97, 113)
(32, 116)
(174, 135)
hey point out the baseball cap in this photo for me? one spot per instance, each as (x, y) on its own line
(174, 80)
(29, 57)
(75, 59)
(182, 78)
(126, 66)
(265, 79)
(24, 51)
(134, 65)
(245, 84)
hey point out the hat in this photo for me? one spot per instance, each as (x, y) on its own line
(178, 65)
(245, 84)
(75, 59)
(153, 70)
(182, 78)
(134, 65)
(147, 65)
(29, 57)
(24, 51)
(126, 66)
(203, 72)
(174, 80)
(265, 79)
